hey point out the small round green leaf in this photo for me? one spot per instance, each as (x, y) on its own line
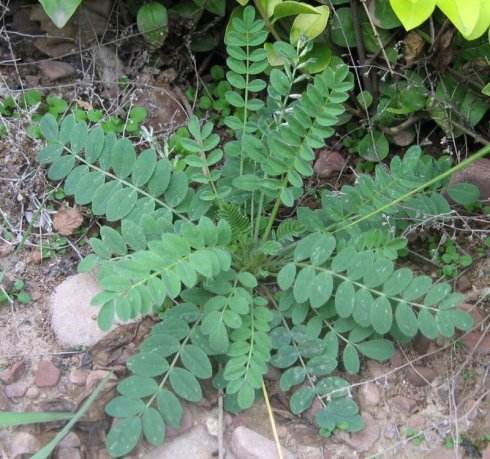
(123, 437)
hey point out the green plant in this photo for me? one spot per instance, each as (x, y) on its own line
(17, 292)
(471, 18)
(416, 437)
(240, 277)
(450, 258)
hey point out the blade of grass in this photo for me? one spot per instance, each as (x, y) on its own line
(10, 419)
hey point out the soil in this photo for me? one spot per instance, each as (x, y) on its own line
(409, 421)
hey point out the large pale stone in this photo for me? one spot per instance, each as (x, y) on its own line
(73, 318)
(194, 444)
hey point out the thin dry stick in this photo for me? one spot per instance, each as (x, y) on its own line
(272, 421)
(378, 38)
(221, 452)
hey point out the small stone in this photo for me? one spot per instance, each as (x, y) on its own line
(377, 370)
(13, 373)
(477, 342)
(23, 443)
(108, 66)
(67, 220)
(486, 453)
(420, 376)
(364, 440)
(247, 444)
(416, 422)
(56, 70)
(32, 392)
(36, 257)
(16, 390)
(421, 344)
(71, 440)
(68, 453)
(404, 404)
(397, 360)
(47, 375)
(370, 393)
(463, 283)
(6, 249)
(273, 374)
(94, 377)
(328, 163)
(78, 376)
(212, 426)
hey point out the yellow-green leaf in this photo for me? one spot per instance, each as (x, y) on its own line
(309, 25)
(412, 13)
(463, 14)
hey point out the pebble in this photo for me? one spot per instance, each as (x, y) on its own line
(68, 453)
(71, 440)
(16, 390)
(371, 394)
(55, 70)
(475, 342)
(32, 392)
(486, 453)
(328, 163)
(23, 443)
(248, 444)
(364, 440)
(94, 378)
(420, 376)
(421, 344)
(47, 375)
(13, 373)
(404, 404)
(463, 283)
(212, 426)
(78, 376)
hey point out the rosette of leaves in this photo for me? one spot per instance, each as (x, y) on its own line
(199, 241)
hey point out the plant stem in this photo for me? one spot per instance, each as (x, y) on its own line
(268, 23)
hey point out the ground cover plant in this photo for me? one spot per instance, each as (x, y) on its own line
(215, 241)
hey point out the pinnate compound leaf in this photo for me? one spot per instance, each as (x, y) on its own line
(124, 407)
(147, 364)
(170, 407)
(291, 377)
(301, 400)
(381, 315)
(351, 360)
(124, 436)
(196, 361)
(137, 386)
(406, 319)
(185, 385)
(377, 349)
(321, 289)
(286, 276)
(464, 193)
(153, 426)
